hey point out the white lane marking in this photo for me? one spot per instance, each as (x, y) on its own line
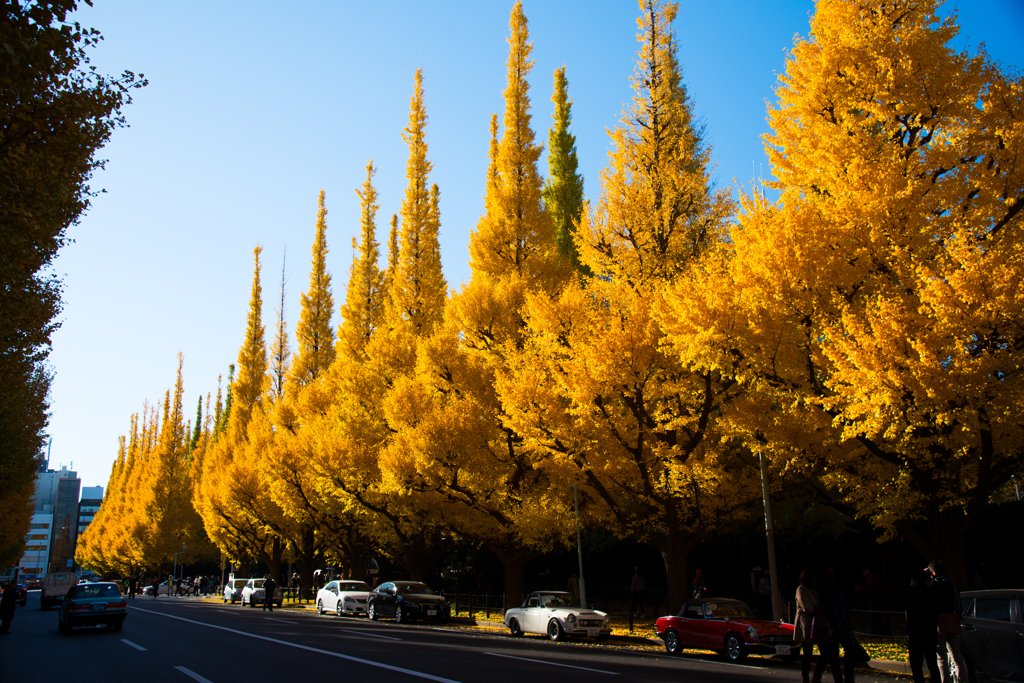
(193, 675)
(541, 661)
(369, 635)
(131, 644)
(283, 621)
(350, 658)
(225, 611)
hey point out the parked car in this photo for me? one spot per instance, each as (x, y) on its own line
(55, 588)
(726, 626)
(253, 594)
(92, 604)
(993, 637)
(343, 597)
(233, 590)
(555, 614)
(405, 601)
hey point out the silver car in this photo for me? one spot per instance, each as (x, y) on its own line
(993, 637)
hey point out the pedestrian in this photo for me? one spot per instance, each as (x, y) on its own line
(132, 585)
(697, 588)
(810, 626)
(636, 592)
(947, 606)
(195, 586)
(269, 586)
(574, 587)
(842, 631)
(156, 586)
(7, 601)
(761, 591)
(922, 627)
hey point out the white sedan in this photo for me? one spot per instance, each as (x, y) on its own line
(555, 615)
(343, 597)
(252, 594)
(233, 590)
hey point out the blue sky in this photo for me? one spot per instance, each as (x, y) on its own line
(253, 107)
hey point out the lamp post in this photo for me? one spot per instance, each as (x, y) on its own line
(579, 547)
(175, 576)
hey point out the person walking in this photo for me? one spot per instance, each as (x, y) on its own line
(810, 626)
(922, 628)
(636, 592)
(133, 584)
(947, 606)
(7, 601)
(156, 586)
(269, 586)
(842, 632)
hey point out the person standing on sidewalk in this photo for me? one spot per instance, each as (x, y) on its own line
(922, 627)
(269, 586)
(807, 605)
(947, 604)
(636, 592)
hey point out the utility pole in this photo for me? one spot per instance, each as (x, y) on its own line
(579, 547)
(777, 612)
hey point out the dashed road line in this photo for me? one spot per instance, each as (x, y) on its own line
(541, 661)
(131, 644)
(283, 621)
(193, 675)
(368, 635)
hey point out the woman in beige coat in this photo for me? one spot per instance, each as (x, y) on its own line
(806, 602)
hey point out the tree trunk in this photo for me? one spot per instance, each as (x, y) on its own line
(276, 553)
(947, 541)
(675, 550)
(306, 552)
(514, 564)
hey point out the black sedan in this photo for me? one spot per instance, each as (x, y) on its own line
(92, 604)
(406, 601)
(21, 594)
(993, 623)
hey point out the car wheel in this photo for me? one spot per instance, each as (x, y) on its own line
(226, 601)
(319, 606)
(371, 612)
(513, 626)
(555, 631)
(338, 609)
(400, 617)
(734, 648)
(672, 643)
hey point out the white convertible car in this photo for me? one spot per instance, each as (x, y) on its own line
(555, 615)
(343, 597)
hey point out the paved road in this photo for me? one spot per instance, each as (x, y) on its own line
(182, 641)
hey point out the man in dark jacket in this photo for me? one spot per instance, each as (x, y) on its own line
(947, 604)
(269, 586)
(922, 627)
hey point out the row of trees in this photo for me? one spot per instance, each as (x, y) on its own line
(862, 332)
(55, 113)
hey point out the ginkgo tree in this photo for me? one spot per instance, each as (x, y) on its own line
(880, 295)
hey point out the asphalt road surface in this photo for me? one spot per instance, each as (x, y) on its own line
(179, 640)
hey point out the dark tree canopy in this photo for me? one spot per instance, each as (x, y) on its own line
(55, 114)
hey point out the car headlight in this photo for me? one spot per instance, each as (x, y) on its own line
(570, 621)
(753, 633)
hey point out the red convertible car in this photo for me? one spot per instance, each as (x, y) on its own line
(726, 626)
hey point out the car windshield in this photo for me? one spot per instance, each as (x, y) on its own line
(728, 610)
(413, 589)
(556, 600)
(353, 586)
(240, 583)
(96, 590)
(257, 583)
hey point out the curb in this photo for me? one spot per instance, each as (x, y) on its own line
(890, 666)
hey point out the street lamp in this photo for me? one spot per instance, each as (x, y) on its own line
(175, 576)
